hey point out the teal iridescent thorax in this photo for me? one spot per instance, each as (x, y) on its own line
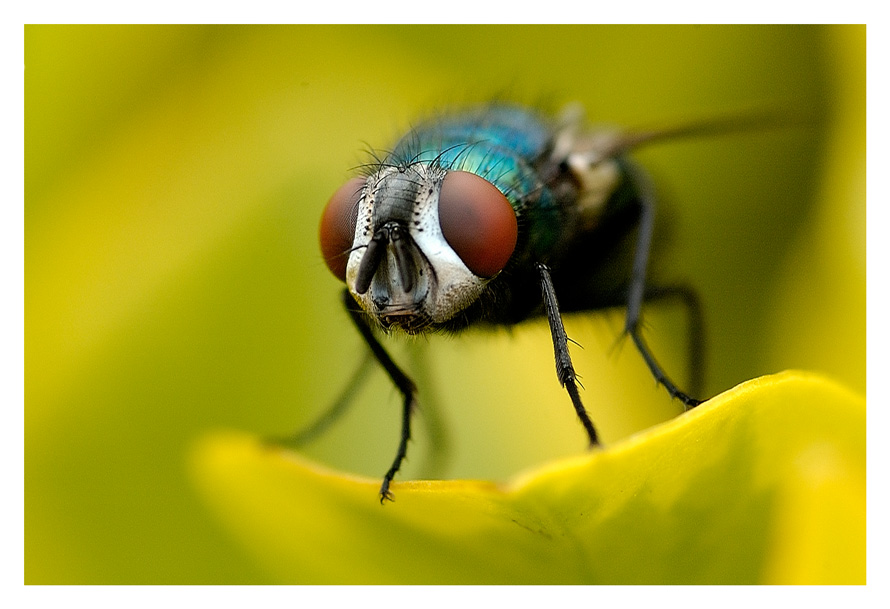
(500, 144)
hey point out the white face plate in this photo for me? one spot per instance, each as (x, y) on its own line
(442, 284)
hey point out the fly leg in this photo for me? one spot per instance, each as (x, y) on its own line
(404, 384)
(565, 372)
(333, 414)
(689, 299)
(637, 291)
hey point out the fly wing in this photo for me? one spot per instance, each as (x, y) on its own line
(594, 155)
(604, 143)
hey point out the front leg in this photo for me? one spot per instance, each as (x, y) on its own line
(404, 384)
(565, 372)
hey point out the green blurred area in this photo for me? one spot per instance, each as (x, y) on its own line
(174, 177)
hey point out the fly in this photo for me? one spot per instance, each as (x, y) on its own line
(495, 216)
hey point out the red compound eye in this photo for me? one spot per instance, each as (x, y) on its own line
(337, 228)
(477, 222)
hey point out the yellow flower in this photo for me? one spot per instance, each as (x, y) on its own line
(762, 484)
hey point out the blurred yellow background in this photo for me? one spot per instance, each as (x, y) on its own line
(174, 178)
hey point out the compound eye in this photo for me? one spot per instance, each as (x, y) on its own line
(337, 228)
(478, 222)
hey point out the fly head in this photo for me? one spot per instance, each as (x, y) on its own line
(417, 244)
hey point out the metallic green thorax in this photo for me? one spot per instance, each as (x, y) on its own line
(504, 145)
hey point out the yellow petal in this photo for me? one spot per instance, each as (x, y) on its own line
(763, 484)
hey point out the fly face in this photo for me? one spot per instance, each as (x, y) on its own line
(422, 242)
